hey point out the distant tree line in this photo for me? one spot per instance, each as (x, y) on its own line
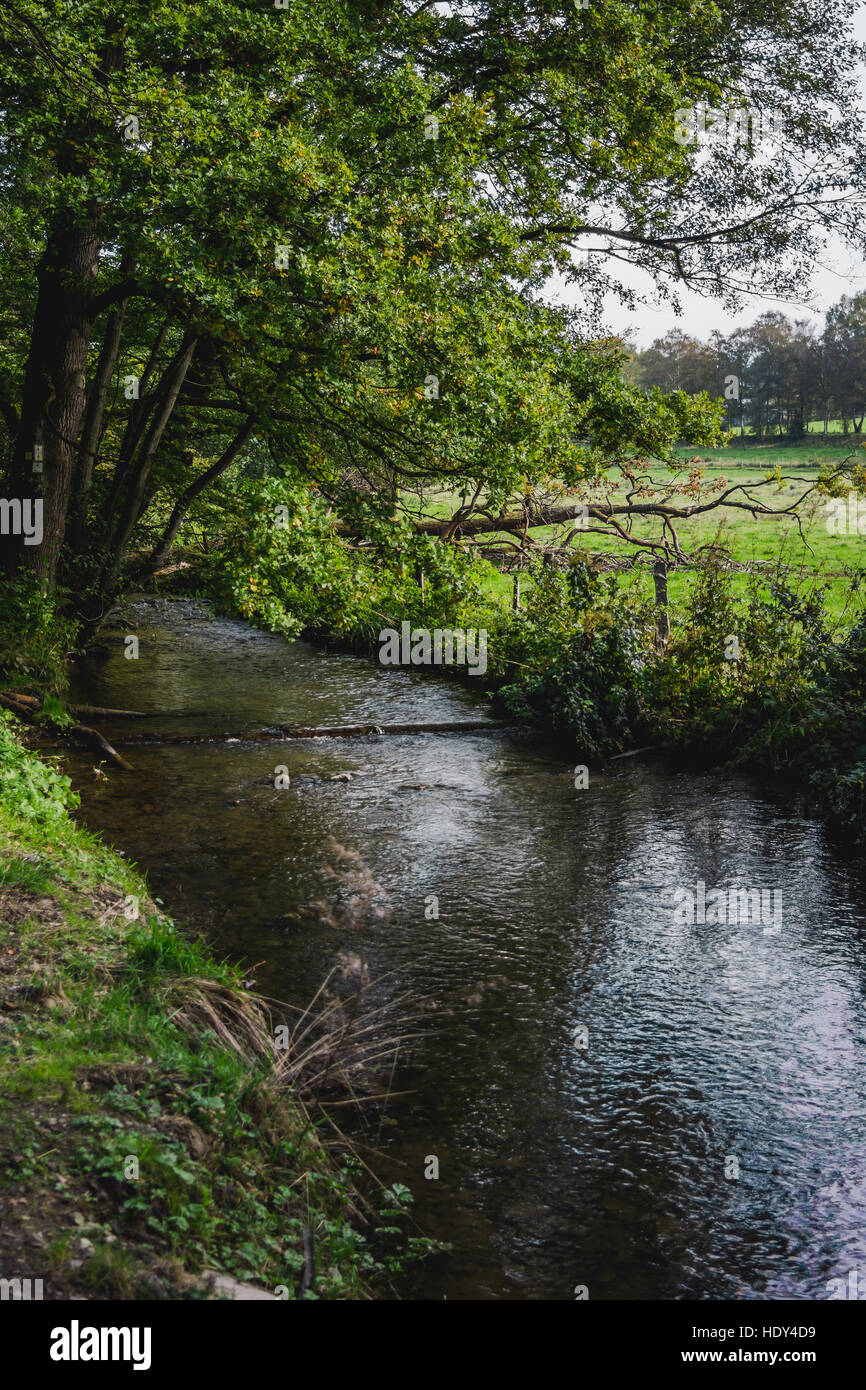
(779, 378)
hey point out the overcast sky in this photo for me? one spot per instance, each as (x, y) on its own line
(840, 272)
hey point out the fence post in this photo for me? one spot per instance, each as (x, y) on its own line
(663, 620)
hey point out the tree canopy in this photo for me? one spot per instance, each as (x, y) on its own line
(314, 240)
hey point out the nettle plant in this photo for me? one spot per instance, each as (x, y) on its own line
(29, 786)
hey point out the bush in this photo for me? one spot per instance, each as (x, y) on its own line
(574, 657)
(35, 640)
(30, 787)
(297, 577)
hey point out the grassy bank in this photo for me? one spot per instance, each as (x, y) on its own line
(149, 1129)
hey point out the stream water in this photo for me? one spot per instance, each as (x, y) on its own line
(703, 1138)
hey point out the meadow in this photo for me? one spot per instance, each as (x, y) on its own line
(812, 549)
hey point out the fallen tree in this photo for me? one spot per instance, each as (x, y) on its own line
(290, 731)
(616, 518)
(92, 737)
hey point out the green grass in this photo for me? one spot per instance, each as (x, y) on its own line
(833, 427)
(144, 1137)
(746, 537)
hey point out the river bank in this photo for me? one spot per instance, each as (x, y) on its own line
(150, 1139)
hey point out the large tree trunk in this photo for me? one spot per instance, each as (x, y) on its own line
(134, 500)
(54, 385)
(134, 431)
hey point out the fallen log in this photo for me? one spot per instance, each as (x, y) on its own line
(88, 711)
(99, 712)
(516, 522)
(283, 732)
(82, 731)
(96, 740)
(456, 726)
(17, 706)
(170, 569)
(635, 752)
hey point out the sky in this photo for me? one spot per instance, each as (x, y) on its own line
(839, 272)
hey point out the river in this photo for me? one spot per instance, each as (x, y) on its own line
(619, 1100)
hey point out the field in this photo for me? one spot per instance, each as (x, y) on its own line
(817, 550)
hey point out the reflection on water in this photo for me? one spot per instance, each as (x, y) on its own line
(711, 1049)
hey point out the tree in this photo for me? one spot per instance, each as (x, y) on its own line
(845, 342)
(678, 362)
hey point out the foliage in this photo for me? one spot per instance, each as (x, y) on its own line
(573, 658)
(35, 639)
(283, 568)
(792, 701)
(30, 787)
